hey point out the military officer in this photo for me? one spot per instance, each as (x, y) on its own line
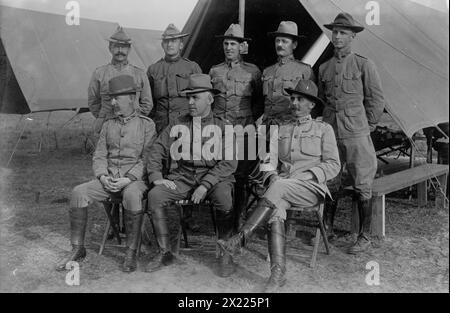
(99, 101)
(198, 176)
(308, 157)
(284, 74)
(240, 94)
(351, 88)
(168, 77)
(118, 164)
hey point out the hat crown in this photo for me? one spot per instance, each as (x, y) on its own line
(345, 20)
(288, 27)
(307, 87)
(120, 36)
(172, 32)
(122, 84)
(199, 81)
(234, 30)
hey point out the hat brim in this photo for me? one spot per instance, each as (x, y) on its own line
(119, 41)
(239, 39)
(356, 29)
(124, 92)
(187, 92)
(174, 36)
(275, 34)
(316, 100)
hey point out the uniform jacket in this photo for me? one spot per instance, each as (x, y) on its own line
(122, 147)
(240, 86)
(351, 88)
(192, 170)
(99, 101)
(167, 79)
(309, 145)
(284, 74)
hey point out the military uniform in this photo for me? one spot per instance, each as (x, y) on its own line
(286, 73)
(215, 174)
(99, 101)
(119, 153)
(239, 83)
(351, 88)
(307, 145)
(167, 79)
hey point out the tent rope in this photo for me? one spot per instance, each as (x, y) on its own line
(17, 144)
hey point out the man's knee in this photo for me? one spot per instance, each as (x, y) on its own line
(79, 196)
(222, 198)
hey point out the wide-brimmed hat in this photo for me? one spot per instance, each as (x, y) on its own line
(287, 28)
(234, 32)
(122, 85)
(345, 20)
(172, 32)
(199, 83)
(308, 89)
(120, 36)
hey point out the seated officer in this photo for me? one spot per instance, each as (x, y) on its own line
(119, 170)
(308, 157)
(198, 175)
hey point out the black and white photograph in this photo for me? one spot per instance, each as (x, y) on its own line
(223, 151)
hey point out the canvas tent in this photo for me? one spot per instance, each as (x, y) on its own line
(409, 47)
(45, 64)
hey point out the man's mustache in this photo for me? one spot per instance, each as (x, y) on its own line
(121, 53)
(280, 49)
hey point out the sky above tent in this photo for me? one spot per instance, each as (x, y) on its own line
(147, 14)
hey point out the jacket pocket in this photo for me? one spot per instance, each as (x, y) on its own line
(355, 118)
(267, 84)
(160, 89)
(218, 83)
(311, 144)
(242, 85)
(351, 82)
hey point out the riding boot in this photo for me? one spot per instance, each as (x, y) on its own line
(277, 251)
(224, 222)
(363, 242)
(78, 222)
(259, 217)
(133, 223)
(165, 256)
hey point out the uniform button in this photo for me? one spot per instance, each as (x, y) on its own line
(295, 136)
(336, 85)
(292, 150)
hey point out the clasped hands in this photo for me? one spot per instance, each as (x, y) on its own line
(112, 184)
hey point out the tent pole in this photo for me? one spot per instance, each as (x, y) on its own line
(242, 15)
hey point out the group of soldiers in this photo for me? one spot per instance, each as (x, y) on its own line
(135, 113)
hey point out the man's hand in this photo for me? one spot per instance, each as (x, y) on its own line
(199, 194)
(168, 183)
(107, 182)
(119, 183)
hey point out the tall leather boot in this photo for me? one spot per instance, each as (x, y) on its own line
(259, 217)
(277, 251)
(365, 215)
(133, 223)
(165, 257)
(78, 222)
(225, 223)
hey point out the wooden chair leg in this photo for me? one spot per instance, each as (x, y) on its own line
(105, 236)
(323, 232)
(316, 248)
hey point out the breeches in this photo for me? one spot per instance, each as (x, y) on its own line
(84, 194)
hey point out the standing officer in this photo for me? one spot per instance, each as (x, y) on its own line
(168, 77)
(239, 84)
(118, 165)
(197, 176)
(309, 157)
(284, 74)
(99, 101)
(351, 88)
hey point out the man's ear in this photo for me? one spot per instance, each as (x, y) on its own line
(181, 45)
(210, 98)
(294, 44)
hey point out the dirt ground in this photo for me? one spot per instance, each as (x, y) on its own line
(51, 159)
